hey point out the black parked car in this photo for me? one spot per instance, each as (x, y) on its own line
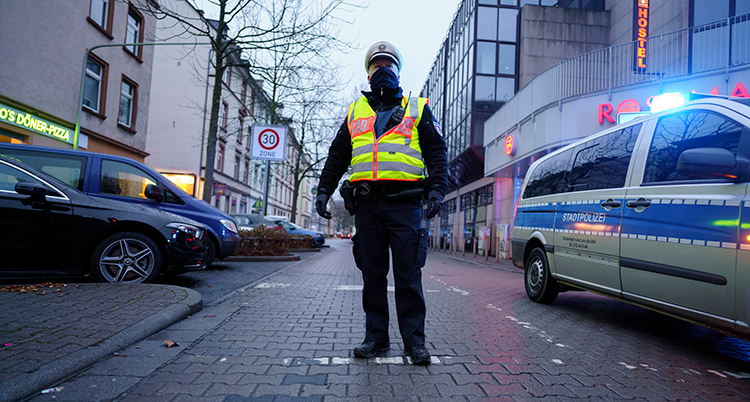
(51, 229)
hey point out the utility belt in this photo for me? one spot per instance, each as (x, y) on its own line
(371, 191)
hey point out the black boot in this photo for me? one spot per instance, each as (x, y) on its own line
(419, 355)
(371, 348)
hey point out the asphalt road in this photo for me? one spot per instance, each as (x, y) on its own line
(223, 278)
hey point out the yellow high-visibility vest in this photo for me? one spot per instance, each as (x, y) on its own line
(396, 155)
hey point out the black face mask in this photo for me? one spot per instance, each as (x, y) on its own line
(384, 77)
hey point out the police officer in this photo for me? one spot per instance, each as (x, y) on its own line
(389, 139)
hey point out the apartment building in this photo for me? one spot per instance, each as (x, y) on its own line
(47, 86)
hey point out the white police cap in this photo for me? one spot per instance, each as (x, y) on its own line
(382, 49)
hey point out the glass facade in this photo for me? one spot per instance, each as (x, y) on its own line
(476, 72)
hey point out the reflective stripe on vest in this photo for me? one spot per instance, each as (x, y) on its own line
(396, 155)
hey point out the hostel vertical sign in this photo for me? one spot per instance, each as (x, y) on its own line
(640, 34)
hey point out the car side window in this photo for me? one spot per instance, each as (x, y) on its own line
(549, 177)
(679, 132)
(10, 176)
(603, 162)
(241, 220)
(123, 179)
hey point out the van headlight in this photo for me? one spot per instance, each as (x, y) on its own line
(188, 229)
(229, 225)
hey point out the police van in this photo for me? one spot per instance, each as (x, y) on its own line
(655, 212)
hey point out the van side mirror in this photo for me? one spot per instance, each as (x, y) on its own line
(34, 190)
(712, 163)
(154, 193)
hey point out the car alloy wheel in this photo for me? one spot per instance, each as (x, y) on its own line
(211, 249)
(540, 286)
(128, 257)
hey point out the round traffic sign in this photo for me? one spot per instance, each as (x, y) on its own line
(268, 139)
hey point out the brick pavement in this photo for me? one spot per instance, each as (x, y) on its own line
(48, 333)
(289, 338)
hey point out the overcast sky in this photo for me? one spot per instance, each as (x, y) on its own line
(416, 27)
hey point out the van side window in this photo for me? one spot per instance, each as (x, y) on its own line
(548, 177)
(172, 198)
(123, 179)
(603, 162)
(679, 132)
(69, 169)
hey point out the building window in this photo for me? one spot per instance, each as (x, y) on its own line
(220, 158)
(128, 98)
(224, 115)
(95, 86)
(246, 173)
(506, 59)
(227, 75)
(237, 167)
(581, 4)
(486, 58)
(101, 16)
(242, 131)
(134, 32)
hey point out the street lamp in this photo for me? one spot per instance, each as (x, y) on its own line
(83, 76)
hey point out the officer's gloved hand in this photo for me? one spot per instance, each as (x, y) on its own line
(433, 204)
(321, 200)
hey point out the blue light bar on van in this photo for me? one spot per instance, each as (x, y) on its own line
(667, 101)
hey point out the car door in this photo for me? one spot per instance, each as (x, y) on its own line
(34, 236)
(587, 222)
(743, 262)
(680, 236)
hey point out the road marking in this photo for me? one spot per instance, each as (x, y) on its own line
(717, 373)
(557, 361)
(338, 361)
(455, 289)
(268, 285)
(539, 332)
(359, 287)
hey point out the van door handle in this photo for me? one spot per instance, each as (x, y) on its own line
(639, 203)
(611, 204)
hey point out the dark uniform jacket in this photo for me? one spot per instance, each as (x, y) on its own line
(430, 141)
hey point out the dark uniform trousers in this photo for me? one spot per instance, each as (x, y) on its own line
(394, 223)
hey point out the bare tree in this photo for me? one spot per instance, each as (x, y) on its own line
(256, 25)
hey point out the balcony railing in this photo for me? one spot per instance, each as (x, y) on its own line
(720, 45)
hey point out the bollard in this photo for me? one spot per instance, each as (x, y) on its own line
(463, 248)
(497, 253)
(486, 248)
(475, 240)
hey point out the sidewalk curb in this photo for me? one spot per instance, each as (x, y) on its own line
(247, 258)
(26, 385)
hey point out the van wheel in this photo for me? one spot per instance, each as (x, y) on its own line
(127, 257)
(211, 248)
(540, 286)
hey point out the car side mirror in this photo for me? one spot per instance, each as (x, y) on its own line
(34, 190)
(712, 163)
(154, 193)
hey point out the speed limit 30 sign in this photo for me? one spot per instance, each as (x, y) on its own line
(268, 142)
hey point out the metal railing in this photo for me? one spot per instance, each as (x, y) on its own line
(716, 46)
